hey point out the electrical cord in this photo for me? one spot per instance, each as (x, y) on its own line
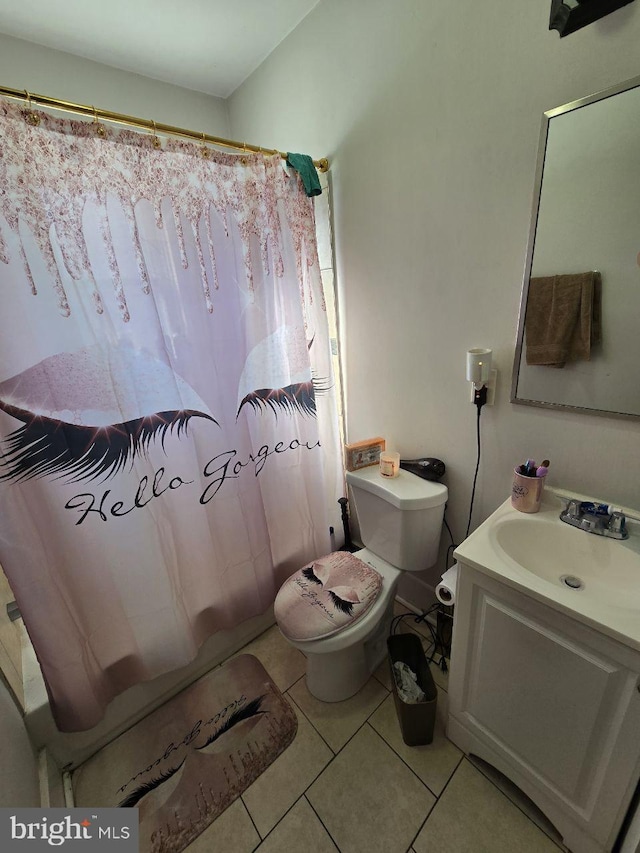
(453, 545)
(479, 398)
(442, 644)
(417, 618)
(438, 644)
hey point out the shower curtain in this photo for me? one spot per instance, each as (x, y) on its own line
(169, 448)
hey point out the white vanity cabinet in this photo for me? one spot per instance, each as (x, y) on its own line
(550, 702)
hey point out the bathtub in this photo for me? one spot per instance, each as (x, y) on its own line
(68, 750)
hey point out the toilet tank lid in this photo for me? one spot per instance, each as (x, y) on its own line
(406, 491)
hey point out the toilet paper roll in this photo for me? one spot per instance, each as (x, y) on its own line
(446, 589)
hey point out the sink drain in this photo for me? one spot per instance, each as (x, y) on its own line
(572, 582)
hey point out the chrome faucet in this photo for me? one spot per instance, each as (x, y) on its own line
(595, 518)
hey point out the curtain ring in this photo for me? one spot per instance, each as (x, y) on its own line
(205, 150)
(156, 142)
(243, 159)
(31, 116)
(100, 129)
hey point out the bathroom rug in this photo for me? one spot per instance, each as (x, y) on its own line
(186, 762)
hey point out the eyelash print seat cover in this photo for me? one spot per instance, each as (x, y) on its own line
(327, 596)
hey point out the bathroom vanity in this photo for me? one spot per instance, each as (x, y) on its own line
(545, 675)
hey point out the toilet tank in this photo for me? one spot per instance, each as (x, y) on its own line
(400, 517)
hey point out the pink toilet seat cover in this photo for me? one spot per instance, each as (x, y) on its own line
(326, 596)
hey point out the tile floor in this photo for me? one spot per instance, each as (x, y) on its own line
(349, 783)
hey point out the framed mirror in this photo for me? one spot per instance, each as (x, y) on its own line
(578, 337)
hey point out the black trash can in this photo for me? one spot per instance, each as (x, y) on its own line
(417, 719)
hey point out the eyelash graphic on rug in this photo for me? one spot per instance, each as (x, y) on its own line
(135, 796)
(249, 711)
(343, 597)
(82, 437)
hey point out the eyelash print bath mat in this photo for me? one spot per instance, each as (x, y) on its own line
(185, 763)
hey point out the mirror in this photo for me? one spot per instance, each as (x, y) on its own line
(578, 340)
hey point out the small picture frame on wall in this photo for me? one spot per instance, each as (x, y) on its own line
(363, 453)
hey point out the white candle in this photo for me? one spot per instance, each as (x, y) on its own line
(389, 463)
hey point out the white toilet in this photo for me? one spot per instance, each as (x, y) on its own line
(338, 610)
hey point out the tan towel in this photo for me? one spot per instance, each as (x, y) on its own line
(563, 319)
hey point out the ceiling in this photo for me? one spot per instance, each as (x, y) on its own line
(211, 46)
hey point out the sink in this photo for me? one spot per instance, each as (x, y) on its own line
(545, 677)
(595, 579)
(585, 564)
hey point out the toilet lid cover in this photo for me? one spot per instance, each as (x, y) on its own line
(326, 596)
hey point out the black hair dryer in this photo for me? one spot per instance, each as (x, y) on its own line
(427, 467)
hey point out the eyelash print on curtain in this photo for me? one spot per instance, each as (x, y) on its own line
(100, 446)
(169, 448)
(269, 361)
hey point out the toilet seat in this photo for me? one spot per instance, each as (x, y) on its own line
(326, 596)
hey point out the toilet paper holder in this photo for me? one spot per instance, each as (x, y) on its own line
(447, 588)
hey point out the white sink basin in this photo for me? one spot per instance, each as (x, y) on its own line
(586, 564)
(593, 578)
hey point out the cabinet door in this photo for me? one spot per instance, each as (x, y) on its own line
(551, 696)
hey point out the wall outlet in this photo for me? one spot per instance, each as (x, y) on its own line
(491, 389)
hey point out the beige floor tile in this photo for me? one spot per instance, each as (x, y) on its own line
(421, 628)
(299, 830)
(518, 798)
(441, 678)
(473, 815)
(233, 830)
(283, 662)
(338, 721)
(408, 623)
(283, 782)
(383, 674)
(434, 763)
(368, 799)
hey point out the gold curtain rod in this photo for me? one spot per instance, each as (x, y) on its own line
(145, 124)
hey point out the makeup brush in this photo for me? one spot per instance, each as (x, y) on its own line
(542, 470)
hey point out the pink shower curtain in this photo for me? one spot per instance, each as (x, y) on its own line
(169, 448)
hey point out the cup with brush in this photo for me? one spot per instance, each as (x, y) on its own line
(528, 483)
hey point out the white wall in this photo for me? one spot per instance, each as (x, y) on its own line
(18, 768)
(24, 65)
(430, 114)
